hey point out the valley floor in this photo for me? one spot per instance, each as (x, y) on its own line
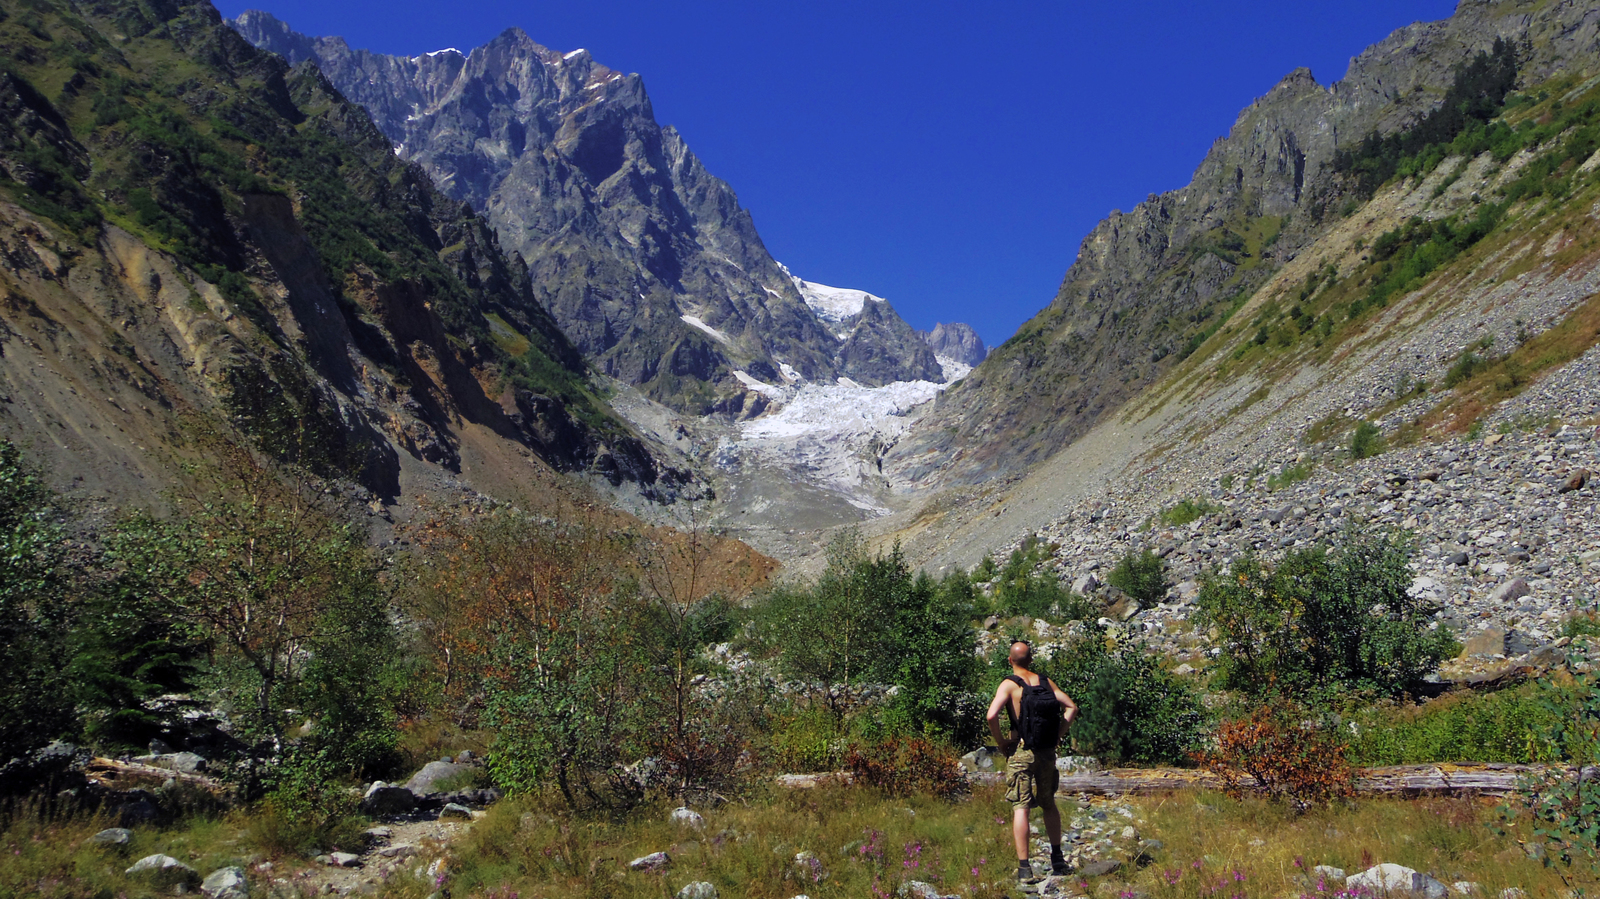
(855, 843)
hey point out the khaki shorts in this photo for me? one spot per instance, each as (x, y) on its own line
(1031, 781)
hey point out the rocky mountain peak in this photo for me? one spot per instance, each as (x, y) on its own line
(647, 261)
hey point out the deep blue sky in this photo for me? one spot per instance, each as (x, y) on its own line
(949, 156)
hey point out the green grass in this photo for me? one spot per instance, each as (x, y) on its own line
(1494, 727)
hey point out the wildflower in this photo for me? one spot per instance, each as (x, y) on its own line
(1198, 863)
(1299, 862)
(1172, 877)
(1238, 876)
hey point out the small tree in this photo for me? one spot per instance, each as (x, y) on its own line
(1366, 441)
(289, 601)
(1142, 576)
(1324, 619)
(533, 628)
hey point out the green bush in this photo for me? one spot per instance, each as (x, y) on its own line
(1366, 441)
(1142, 576)
(1022, 588)
(1324, 620)
(1131, 709)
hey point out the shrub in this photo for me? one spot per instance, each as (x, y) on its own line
(1188, 512)
(1563, 801)
(1142, 576)
(1275, 755)
(869, 620)
(1130, 708)
(1323, 620)
(908, 767)
(1366, 441)
(308, 808)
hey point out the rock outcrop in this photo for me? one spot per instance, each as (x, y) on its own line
(1146, 281)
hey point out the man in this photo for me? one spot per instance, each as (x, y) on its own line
(1036, 707)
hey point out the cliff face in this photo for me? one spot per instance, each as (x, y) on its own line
(647, 261)
(1147, 282)
(957, 341)
(200, 240)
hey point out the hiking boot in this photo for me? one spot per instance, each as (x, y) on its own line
(1060, 868)
(1026, 876)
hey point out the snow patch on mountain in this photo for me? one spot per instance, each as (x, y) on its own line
(696, 321)
(833, 304)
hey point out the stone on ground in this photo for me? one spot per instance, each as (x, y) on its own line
(698, 890)
(112, 836)
(688, 818)
(655, 861)
(162, 869)
(1388, 878)
(226, 883)
(455, 810)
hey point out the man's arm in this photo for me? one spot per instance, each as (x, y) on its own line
(1002, 698)
(1071, 711)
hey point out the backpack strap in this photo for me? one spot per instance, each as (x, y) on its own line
(1017, 679)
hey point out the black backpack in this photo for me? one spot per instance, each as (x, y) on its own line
(1040, 726)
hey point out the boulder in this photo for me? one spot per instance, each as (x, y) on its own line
(162, 869)
(455, 810)
(1466, 888)
(1329, 872)
(686, 817)
(386, 799)
(1578, 481)
(1514, 589)
(655, 861)
(1085, 584)
(427, 781)
(984, 758)
(183, 763)
(398, 850)
(698, 890)
(1126, 608)
(226, 883)
(1077, 764)
(1389, 878)
(112, 836)
(344, 860)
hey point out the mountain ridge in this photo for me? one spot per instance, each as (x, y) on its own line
(1148, 282)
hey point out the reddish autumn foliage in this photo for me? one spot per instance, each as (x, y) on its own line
(908, 766)
(1274, 755)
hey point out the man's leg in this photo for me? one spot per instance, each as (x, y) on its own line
(1052, 826)
(1019, 831)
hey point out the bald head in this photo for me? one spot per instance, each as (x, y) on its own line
(1021, 654)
